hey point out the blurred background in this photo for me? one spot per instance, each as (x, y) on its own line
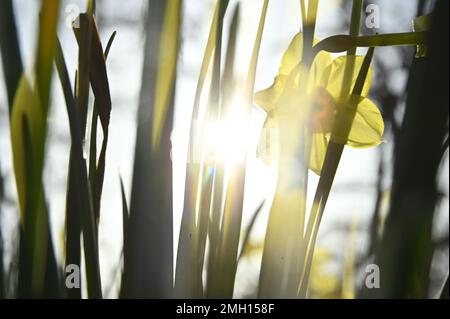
(362, 185)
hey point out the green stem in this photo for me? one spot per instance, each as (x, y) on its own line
(10, 50)
(303, 13)
(330, 167)
(341, 43)
(355, 22)
(91, 6)
(309, 30)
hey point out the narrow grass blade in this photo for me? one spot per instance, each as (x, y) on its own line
(214, 96)
(125, 211)
(199, 178)
(405, 253)
(186, 279)
(250, 84)
(84, 36)
(100, 87)
(88, 224)
(303, 13)
(331, 163)
(335, 152)
(249, 229)
(355, 22)
(125, 217)
(28, 134)
(74, 209)
(203, 224)
(443, 294)
(165, 82)
(348, 273)
(280, 270)
(309, 28)
(38, 276)
(210, 45)
(46, 45)
(80, 189)
(2, 271)
(215, 209)
(91, 6)
(232, 216)
(10, 51)
(102, 109)
(148, 268)
(228, 85)
(73, 205)
(214, 114)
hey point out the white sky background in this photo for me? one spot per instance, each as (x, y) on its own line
(353, 195)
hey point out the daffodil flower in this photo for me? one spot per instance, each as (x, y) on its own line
(309, 100)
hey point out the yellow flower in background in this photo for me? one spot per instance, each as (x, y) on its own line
(308, 100)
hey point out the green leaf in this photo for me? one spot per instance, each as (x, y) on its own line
(249, 230)
(168, 53)
(443, 294)
(125, 211)
(355, 21)
(94, 170)
(2, 273)
(230, 228)
(330, 165)
(199, 177)
(215, 171)
(148, 267)
(102, 108)
(10, 51)
(28, 134)
(73, 204)
(46, 45)
(79, 188)
(422, 23)
(309, 29)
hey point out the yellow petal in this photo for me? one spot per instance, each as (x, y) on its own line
(268, 145)
(268, 98)
(337, 82)
(284, 93)
(293, 55)
(320, 70)
(319, 144)
(367, 127)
